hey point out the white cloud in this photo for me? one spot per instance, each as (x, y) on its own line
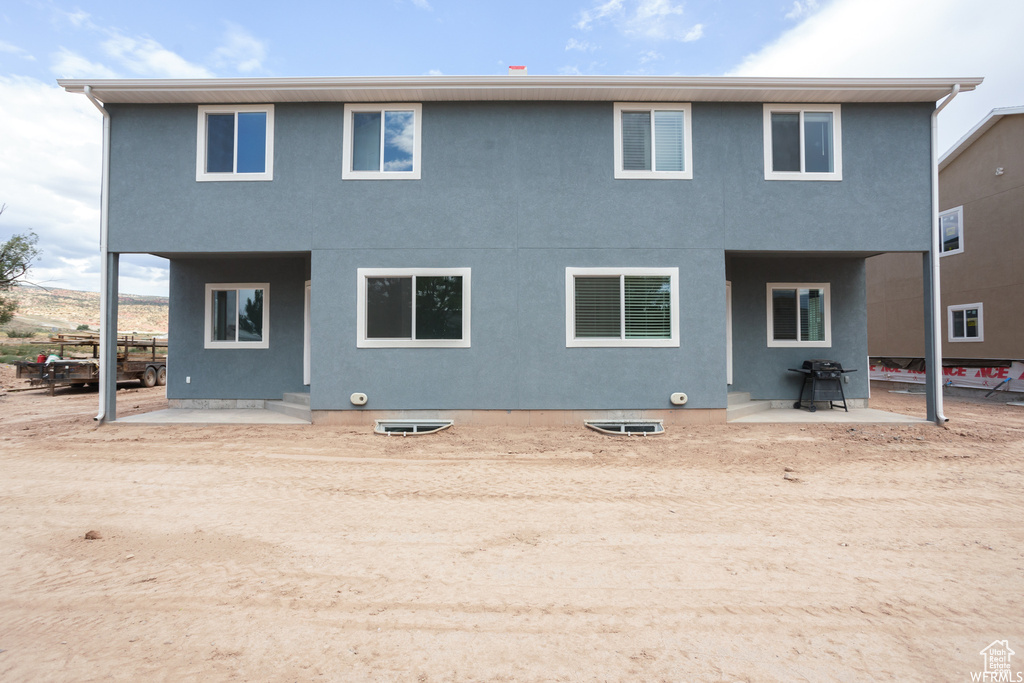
(51, 172)
(581, 45)
(422, 4)
(12, 49)
(435, 72)
(588, 17)
(146, 57)
(240, 51)
(569, 71)
(647, 19)
(801, 8)
(913, 38)
(68, 64)
(649, 56)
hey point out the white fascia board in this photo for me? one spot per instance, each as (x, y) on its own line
(569, 88)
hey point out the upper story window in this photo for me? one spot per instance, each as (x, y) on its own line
(966, 322)
(653, 141)
(413, 307)
(237, 315)
(951, 227)
(235, 142)
(802, 142)
(382, 141)
(621, 307)
(799, 314)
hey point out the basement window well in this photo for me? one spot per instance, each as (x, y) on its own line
(409, 427)
(627, 427)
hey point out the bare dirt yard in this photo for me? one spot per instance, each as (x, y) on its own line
(735, 553)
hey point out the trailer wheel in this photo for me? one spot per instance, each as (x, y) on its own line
(149, 377)
(161, 377)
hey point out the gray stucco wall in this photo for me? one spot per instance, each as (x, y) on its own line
(763, 370)
(517, 175)
(235, 373)
(516, 191)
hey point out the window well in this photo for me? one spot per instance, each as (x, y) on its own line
(627, 427)
(409, 427)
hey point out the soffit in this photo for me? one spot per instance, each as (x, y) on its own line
(518, 88)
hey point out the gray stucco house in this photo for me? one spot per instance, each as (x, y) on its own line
(526, 249)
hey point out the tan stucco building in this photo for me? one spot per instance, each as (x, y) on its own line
(981, 204)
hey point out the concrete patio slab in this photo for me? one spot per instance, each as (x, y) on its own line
(826, 416)
(242, 416)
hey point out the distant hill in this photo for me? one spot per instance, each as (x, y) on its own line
(66, 309)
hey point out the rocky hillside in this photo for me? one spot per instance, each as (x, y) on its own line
(66, 309)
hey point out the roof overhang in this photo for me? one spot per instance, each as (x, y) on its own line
(512, 88)
(974, 133)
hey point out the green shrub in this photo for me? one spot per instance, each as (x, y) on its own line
(20, 332)
(82, 327)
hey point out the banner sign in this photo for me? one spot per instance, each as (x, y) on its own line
(975, 378)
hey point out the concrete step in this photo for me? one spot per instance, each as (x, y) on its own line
(748, 408)
(300, 397)
(737, 397)
(288, 408)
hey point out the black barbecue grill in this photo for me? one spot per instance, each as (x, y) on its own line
(824, 380)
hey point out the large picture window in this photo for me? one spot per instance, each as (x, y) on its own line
(966, 323)
(405, 307)
(799, 314)
(951, 227)
(382, 142)
(621, 307)
(652, 141)
(235, 143)
(802, 142)
(237, 316)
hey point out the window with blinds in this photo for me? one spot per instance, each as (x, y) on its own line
(635, 308)
(652, 141)
(799, 315)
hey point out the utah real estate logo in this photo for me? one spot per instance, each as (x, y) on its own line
(997, 665)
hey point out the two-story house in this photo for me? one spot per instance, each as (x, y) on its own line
(531, 249)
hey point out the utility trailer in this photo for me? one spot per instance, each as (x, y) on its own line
(137, 359)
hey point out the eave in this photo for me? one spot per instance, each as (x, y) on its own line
(518, 88)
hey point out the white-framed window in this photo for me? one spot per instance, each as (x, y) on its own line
(951, 227)
(803, 142)
(413, 307)
(235, 142)
(382, 142)
(966, 322)
(621, 307)
(653, 141)
(799, 314)
(237, 315)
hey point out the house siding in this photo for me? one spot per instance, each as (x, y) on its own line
(517, 191)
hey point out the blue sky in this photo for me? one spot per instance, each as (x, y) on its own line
(49, 171)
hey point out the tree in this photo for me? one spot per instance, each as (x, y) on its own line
(16, 257)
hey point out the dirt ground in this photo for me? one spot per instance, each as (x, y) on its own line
(733, 553)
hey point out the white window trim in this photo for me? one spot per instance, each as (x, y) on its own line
(837, 141)
(959, 210)
(201, 173)
(363, 343)
(208, 312)
(687, 140)
(780, 343)
(570, 309)
(346, 169)
(965, 307)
